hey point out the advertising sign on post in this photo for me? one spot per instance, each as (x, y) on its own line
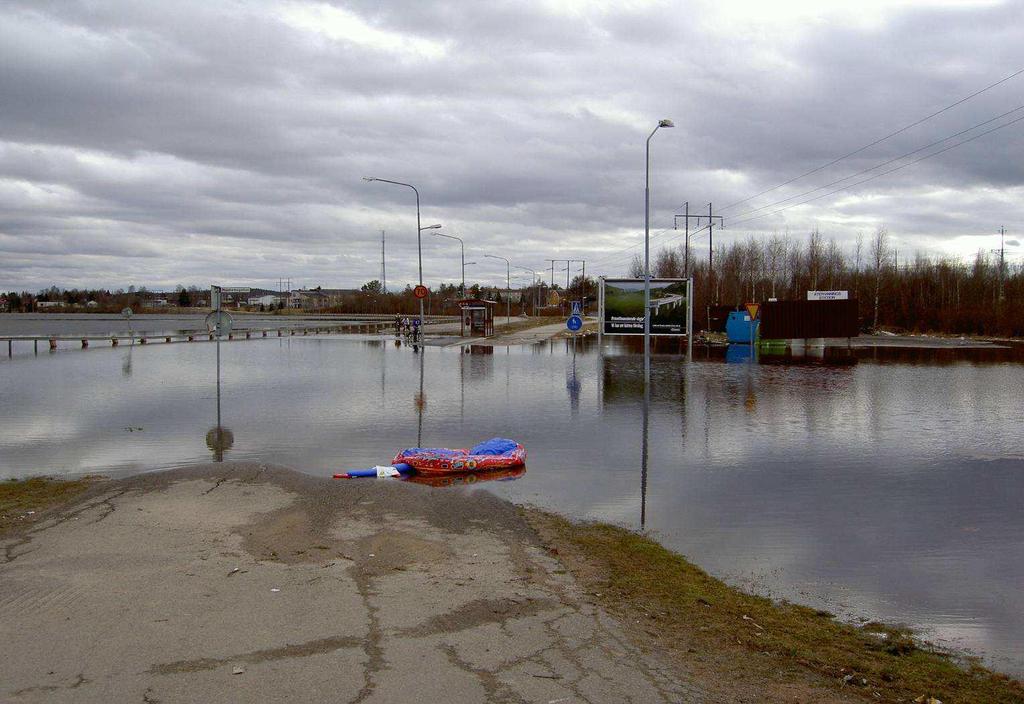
(622, 306)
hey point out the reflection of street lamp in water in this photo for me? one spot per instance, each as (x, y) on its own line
(420, 400)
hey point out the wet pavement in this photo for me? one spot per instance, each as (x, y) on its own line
(242, 582)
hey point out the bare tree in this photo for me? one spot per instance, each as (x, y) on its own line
(879, 258)
(858, 251)
(667, 264)
(815, 257)
(636, 268)
(776, 259)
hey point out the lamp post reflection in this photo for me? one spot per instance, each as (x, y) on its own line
(218, 438)
(643, 457)
(420, 399)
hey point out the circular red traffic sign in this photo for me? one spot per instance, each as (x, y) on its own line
(420, 291)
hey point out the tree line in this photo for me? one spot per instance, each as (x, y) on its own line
(940, 294)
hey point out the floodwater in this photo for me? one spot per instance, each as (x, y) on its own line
(886, 484)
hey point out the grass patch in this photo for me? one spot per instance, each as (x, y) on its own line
(22, 499)
(687, 611)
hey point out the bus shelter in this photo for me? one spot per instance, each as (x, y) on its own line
(477, 317)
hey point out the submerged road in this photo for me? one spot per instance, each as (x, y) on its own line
(242, 582)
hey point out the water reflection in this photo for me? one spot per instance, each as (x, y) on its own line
(469, 478)
(877, 480)
(218, 438)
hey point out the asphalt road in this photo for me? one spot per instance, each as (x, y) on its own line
(232, 583)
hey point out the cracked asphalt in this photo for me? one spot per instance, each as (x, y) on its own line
(241, 582)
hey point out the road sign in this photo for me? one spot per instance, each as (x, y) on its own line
(234, 289)
(753, 309)
(219, 322)
(420, 291)
(574, 323)
(577, 308)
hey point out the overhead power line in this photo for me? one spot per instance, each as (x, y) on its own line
(884, 173)
(882, 139)
(883, 163)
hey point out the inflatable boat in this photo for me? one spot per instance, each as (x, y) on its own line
(496, 453)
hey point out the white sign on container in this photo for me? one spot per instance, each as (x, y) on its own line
(828, 295)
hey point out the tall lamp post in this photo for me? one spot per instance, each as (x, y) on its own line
(532, 283)
(647, 253)
(508, 286)
(463, 246)
(419, 231)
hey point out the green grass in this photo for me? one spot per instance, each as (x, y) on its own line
(22, 499)
(624, 303)
(685, 605)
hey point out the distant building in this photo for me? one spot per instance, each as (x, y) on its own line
(304, 299)
(49, 304)
(265, 301)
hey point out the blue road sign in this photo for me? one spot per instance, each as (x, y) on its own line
(577, 307)
(574, 323)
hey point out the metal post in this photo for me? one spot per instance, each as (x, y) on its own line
(383, 266)
(646, 272)
(508, 286)
(462, 246)
(419, 232)
(686, 240)
(711, 243)
(584, 303)
(218, 379)
(689, 319)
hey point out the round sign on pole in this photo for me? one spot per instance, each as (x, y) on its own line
(420, 291)
(219, 322)
(574, 323)
(126, 312)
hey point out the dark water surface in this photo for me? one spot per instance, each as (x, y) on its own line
(881, 483)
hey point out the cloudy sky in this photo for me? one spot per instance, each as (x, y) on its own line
(159, 143)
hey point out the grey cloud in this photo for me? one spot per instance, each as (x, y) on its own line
(174, 127)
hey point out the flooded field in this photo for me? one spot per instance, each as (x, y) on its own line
(883, 483)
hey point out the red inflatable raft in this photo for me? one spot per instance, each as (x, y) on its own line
(497, 453)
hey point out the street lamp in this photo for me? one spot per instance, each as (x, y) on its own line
(532, 283)
(463, 246)
(508, 287)
(647, 253)
(419, 232)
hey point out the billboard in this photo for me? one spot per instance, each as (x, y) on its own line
(622, 306)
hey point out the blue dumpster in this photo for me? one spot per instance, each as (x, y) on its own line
(738, 327)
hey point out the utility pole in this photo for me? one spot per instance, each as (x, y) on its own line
(1002, 259)
(711, 218)
(383, 270)
(711, 249)
(553, 272)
